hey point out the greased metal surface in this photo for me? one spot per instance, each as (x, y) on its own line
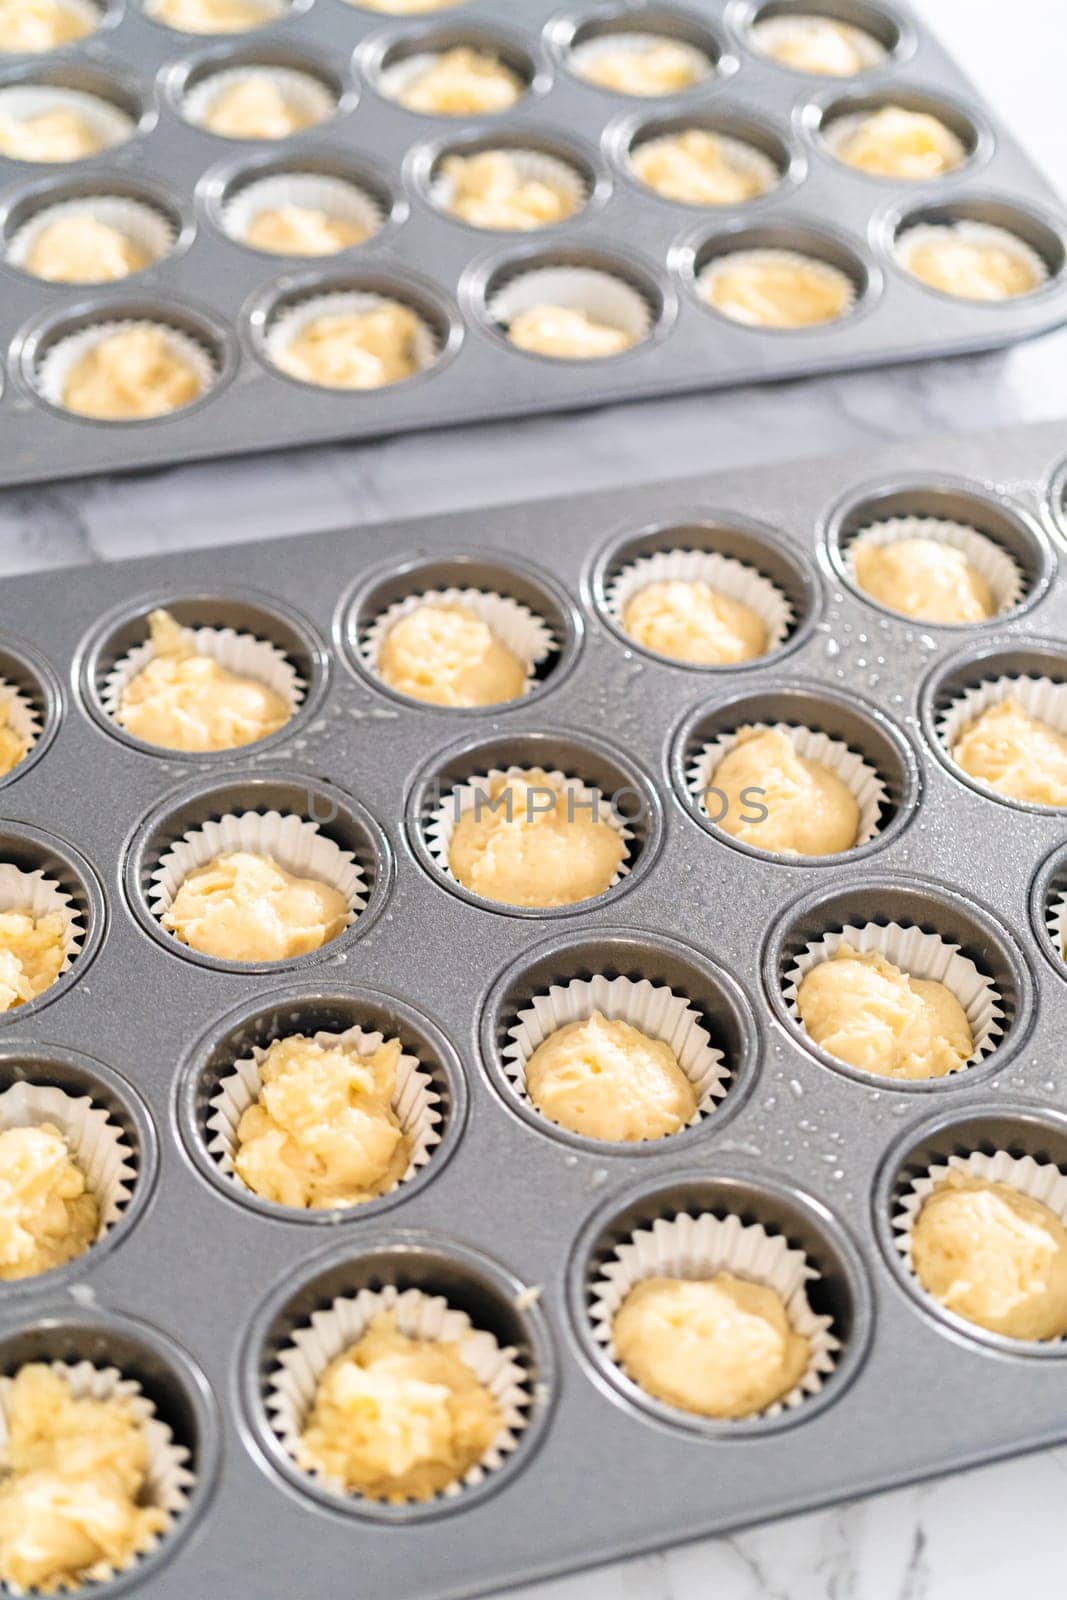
(199, 1286)
(227, 296)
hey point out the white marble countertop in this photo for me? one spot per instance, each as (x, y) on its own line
(958, 1538)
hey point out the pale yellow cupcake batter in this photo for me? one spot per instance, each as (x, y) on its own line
(777, 289)
(445, 655)
(32, 26)
(32, 953)
(184, 700)
(58, 135)
(893, 142)
(257, 107)
(73, 1485)
(818, 45)
(488, 190)
(354, 349)
(972, 262)
(13, 746)
(295, 230)
(397, 1418)
(924, 579)
(134, 373)
(700, 168)
(408, 8)
(868, 1013)
(716, 1347)
(82, 249)
(567, 333)
(994, 1256)
(812, 812)
(658, 66)
(47, 1215)
(244, 907)
(608, 1080)
(1015, 754)
(463, 82)
(323, 1132)
(542, 849)
(690, 621)
(212, 16)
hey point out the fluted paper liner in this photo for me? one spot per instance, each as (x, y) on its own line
(22, 717)
(1040, 698)
(735, 579)
(462, 798)
(270, 11)
(416, 1101)
(760, 256)
(40, 896)
(532, 166)
(769, 32)
(136, 220)
(1056, 924)
(863, 781)
(168, 1480)
(836, 133)
(526, 635)
(395, 80)
(291, 320)
(601, 295)
(294, 1380)
(341, 199)
(111, 125)
(989, 560)
(919, 955)
(1039, 1180)
(654, 1009)
(55, 366)
(97, 1145)
(742, 155)
(240, 653)
(291, 841)
(699, 1247)
(300, 89)
(976, 233)
(583, 56)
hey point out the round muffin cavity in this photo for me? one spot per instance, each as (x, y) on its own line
(355, 338)
(51, 914)
(642, 62)
(128, 369)
(709, 161)
(215, 16)
(94, 238)
(905, 136)
(979, 251)
(48, 123)
(296, 210)
(509, 185)
(572, 309)
(33, 27)
(455, 74)
(30, 709)
(822, 43)
(259, 100)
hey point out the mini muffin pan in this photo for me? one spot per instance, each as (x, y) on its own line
(228, 298)
(200, 1286)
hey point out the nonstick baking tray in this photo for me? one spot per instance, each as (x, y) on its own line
(227, 296)
(195, 1288)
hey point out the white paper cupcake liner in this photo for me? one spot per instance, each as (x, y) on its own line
(862, 780)
(1039, 697)
(291, 321)
(920, 955)
(463, 797)
(719, 265)
(835, 135)
(299, 89)
(699, 1247)
(396, 80)
(741, 155)
(526, 635)
(989, 560)
(22, 717)
(240, 653)
(295, 1378)
(601, 295)
(270, 11)
(340, 199)
(111, 125)
(142, 224)
(653, 1009)
(40, 896)
(976, 233)
(585, 55)
(532, 166)
(416, 1101)
(168, 1480)
(1056, 924)
(97, 1144)
(1039, 1180)
(56, 365)
(295, 844)
(771, 32)
(735, 579)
